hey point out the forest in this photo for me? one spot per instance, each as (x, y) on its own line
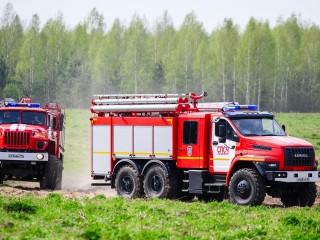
(277, 67)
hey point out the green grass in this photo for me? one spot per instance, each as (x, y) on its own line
(77, 155)
(57, 217)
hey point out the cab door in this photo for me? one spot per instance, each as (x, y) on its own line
(224, 144)
(188, 149)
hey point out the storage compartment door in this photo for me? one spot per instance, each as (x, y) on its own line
(163, 142)
(100, 150)
(122, 140)
(142, 141)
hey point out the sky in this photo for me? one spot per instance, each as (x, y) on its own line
(210, 13)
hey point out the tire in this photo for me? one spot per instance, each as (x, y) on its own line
(290, 200)
(128, 184)
(158, 184)
(52, 178)
(304, 195)
(247, 187)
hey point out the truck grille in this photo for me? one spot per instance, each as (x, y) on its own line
(299, 156)
(16, 139)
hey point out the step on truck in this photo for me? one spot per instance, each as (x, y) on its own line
(169, 146)
(31, 142)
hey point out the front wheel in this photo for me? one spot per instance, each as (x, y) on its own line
(1, 179)
(247, 187)
(303, 195)
(128, 183)
(52, 177)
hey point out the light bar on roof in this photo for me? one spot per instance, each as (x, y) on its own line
(240, 107)
(16, 104)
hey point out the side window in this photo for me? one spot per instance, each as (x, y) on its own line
(230, 132)
(190, 132)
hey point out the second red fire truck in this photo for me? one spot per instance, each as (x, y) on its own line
(166, 146)
(31, 142)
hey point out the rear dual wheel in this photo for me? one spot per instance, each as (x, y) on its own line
(158, 184)
(128, 184)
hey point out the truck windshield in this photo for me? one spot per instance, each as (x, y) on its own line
(9, 117)
(34, 118)
(258, 127)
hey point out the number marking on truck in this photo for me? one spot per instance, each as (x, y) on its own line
(303, 179)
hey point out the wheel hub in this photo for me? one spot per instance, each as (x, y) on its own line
(243, 189)
(156, 184)
(127, 184)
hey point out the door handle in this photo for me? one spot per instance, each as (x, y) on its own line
(215, 143)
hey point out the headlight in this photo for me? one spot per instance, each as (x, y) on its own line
(40, 135)
(40, 156)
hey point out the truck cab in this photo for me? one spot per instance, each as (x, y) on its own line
(252, 139)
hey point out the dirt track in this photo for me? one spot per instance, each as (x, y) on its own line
(22, 188)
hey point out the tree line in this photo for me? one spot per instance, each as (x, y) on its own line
(277, 68)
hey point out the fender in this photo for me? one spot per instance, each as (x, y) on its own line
(249, 161)
(135, 164)
(168, 166)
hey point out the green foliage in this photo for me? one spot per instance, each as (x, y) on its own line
(12, 91)
(276, 68)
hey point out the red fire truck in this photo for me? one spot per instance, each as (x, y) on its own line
(162, 146)
(31, 142)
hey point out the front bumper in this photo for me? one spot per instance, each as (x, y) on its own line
(293, 176)
(23, 156)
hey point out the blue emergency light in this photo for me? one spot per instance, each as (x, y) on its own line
(240, 107)
(15, 104)
(11, 104)
(33, 105)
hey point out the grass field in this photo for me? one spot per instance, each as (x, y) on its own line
(58, 217)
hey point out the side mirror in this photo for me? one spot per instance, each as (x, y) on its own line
(58, 122)
(61, 119)
(283, 127)
(222, 131)
(54, 123)
(235, 138)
